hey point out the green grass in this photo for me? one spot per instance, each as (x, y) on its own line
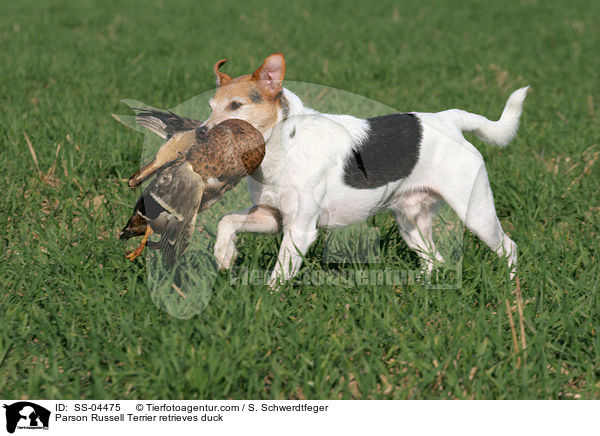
(78, 321)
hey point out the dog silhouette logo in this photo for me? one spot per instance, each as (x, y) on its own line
(26, 415)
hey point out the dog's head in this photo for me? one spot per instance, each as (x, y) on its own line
(255, 98)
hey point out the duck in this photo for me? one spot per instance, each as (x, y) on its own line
(180, 132)
(191, 171)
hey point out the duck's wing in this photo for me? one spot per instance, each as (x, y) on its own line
(170, 153)
(165, 123)
(177, 192)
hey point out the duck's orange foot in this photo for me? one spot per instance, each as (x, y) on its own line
(138, 251)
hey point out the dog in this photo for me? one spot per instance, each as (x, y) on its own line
(327, 171)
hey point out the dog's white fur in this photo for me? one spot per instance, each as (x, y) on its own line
(301, 183)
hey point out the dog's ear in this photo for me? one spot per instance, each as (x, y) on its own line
(222, 78)
(270, 74)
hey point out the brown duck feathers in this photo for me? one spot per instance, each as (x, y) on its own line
(194, 171)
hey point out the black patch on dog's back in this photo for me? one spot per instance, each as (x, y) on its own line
(389, 153)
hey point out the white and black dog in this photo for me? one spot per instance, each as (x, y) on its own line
(328, 171)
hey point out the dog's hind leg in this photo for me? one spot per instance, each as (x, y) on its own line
(414, 214)
(475, 206)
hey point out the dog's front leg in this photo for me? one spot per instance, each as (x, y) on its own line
(296, 242)
(257, 219)
(300, 210)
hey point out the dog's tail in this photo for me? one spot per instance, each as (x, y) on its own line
(498, 133)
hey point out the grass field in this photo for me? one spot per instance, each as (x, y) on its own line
(77, 319)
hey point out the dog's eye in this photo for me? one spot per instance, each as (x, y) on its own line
(235, 105)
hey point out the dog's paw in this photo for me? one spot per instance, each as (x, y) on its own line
(274, 284)
(225, 254)
(276, 280)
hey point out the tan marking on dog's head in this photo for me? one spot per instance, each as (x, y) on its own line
(254, 98)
